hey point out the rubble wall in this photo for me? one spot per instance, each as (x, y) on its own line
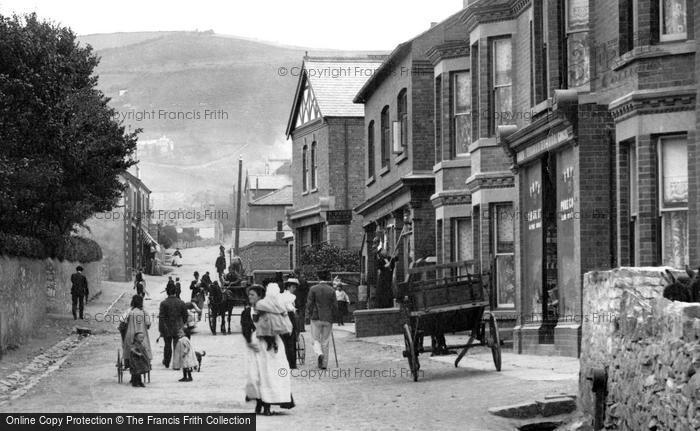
(649, 346)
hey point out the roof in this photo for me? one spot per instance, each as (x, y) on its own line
(128, 176)
(398, 54)
(334, 81)
(282, 196)
(267, 182)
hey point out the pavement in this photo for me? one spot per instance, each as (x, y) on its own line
(371, 388)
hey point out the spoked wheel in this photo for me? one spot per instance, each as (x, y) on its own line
(212, 320)
(120, 367)
(301, 349)
(410, 352)
(494, 341)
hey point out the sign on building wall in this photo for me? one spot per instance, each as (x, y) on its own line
(567, 212)
(546, 144)
(338, 217)
(532, 246)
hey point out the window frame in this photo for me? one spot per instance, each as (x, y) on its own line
(402, 115)
(494, 123)
(385, 130)
(370, 149)
(304, 169)
(663, 208)
(438, 96)
(496, 253)
(676, 36)
(567, 34)
(313, 167)
(633, 177)
(454, 151)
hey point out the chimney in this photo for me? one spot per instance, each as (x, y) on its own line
(279, 235)
(434, 23)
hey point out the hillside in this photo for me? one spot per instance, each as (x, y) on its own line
(167, 82)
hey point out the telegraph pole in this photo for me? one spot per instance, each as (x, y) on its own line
(238, 206)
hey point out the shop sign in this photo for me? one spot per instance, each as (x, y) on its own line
(338, 217)
(546, 144)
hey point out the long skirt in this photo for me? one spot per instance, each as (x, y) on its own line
(264, 381)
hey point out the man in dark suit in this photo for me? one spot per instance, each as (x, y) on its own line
(78, 291)
(171, 319)
(322, 306)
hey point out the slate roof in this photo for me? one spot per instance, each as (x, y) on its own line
(282, 196)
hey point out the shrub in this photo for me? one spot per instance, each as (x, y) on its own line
(327, 257)
(21, 246)
(70, 248)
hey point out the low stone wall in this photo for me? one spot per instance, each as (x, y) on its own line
(29, 288)
(649, 346)
(265, 256)
(378, 321)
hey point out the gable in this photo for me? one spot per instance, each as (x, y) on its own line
(308, 106)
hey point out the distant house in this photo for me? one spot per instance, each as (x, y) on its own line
(123, 232)
(266, 211)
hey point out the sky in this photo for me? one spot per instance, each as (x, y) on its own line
(350, 25)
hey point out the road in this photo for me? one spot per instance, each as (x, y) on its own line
(371, 388)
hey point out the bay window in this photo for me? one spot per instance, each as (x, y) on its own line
(577, 43)
(504, 251)
(438, 119)
(462, 241)
(673, 20)
(502, 78)
(461, 113)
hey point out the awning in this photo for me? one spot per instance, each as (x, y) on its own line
(150, 239)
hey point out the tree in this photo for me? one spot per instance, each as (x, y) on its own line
(62, 148)
(167, 236)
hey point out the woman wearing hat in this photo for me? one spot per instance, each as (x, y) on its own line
(264, 382)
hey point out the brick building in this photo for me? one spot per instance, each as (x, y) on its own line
(327, 132)
(605, 167)
(400, 146)
(123, 232)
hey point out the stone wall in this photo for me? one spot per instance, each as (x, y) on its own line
(649, 346)
(30, 288)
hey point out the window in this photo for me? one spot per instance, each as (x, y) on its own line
(438, 119)
(502, 64)
(461, 113)
(370, 149)
(402, 104)
(504, 248)
(628, 25)
(673, 20)
(577, 46)
(634, 203)
(462, 243)
(385, 137)
(314, 170)
(673, 178)
(304, 169)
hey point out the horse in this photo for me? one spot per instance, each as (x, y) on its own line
(220, 303)
(682, 289)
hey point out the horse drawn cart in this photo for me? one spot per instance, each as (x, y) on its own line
(222, 301)
(441, 299)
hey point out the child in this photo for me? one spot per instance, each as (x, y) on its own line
(184, 357)
(343, 300)
(139, 362)
(178, 287)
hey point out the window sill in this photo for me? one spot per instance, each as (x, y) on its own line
(400, 158)
(663, 49)
(369, 181)
(314, 190)
(461, 161)
(383, 171)
(305, 192)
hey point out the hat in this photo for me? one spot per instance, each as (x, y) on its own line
(292, 281)
(257, 289)
(79, 268)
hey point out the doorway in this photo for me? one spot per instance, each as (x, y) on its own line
(550, 282)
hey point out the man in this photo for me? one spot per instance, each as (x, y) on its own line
(322, 307)
(78, 291)
(384, 295)
(220, 265)
(171, 319)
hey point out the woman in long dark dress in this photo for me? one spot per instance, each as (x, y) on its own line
(264, 381)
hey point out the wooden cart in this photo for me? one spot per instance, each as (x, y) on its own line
(443, 299)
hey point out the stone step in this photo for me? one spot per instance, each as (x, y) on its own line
(550, 406)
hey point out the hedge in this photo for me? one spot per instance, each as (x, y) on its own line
(327, 257)
(70, 248)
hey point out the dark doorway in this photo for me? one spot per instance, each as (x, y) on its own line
(550, 295)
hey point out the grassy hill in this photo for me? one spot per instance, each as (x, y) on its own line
(179, 75)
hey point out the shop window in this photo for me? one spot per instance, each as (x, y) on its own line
(577, 43)
(673, 164)
(370, 149)
(502, 79)
(304, 169)
(438, 119)
(314, 166)
(461, 113)
(385, 137)
(504, 248)
(673, 20)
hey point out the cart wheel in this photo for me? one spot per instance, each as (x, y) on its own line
(495, 342)
(410, 352)
(212, 320)
(120, 367)
(301, 349)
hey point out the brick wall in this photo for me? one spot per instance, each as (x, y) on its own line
(265, 256)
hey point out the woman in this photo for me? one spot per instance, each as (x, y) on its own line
(264, 381)
(291, 338)
(136, 321)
